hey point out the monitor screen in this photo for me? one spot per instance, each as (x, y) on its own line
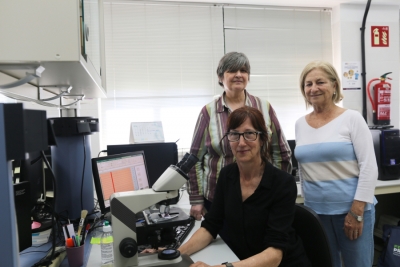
(159, 156)
(118, 173)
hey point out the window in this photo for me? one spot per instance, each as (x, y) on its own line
(162, 58)
(161, 61)
(279, 43)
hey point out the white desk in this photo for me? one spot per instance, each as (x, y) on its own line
(382, 187)
(215, 253)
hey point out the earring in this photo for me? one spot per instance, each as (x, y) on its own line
(334, 93)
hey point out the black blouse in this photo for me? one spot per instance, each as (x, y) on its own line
(263, 220)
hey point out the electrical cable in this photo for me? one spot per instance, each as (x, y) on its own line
(83, 171)
(53, 223)
(363, 74)
(105, 151)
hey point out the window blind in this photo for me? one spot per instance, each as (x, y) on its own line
(161, 60)
(279, 43)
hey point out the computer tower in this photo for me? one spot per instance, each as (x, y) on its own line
(390, 154)
(387, 153)
(23, 214)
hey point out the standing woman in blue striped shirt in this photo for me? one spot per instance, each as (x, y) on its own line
(337, 167)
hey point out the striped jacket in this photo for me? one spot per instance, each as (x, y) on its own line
(210, 128)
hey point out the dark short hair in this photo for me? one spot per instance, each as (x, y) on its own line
(238, 116)
(232, 61)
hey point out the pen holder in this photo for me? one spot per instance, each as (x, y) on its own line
(75, 256)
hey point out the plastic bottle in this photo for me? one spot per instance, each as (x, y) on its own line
(107, 241)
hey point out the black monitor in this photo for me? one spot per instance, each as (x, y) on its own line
(159, 156)
(292, 145)
(118, 173)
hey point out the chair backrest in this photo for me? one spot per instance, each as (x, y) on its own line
(309, 228)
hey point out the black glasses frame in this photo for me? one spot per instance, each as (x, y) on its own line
(243, 134)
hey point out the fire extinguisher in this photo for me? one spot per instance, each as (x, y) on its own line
(381, 105)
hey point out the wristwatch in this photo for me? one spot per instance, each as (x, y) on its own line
(228, 264)
(357, 217)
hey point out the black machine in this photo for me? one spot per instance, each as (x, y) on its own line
(23, 213)
(26, 133)
(71, 164)
(387, 152)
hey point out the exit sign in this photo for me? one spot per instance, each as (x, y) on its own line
(380, 36)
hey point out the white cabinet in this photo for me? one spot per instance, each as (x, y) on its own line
(50, 33)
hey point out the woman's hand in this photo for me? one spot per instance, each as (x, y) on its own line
(197, 211)
(352, 228)
(152, 250)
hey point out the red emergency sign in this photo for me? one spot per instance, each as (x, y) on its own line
(380, 36)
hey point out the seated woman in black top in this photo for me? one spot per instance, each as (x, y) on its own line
(256, 198)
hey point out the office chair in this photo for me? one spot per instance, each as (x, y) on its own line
(309, 228)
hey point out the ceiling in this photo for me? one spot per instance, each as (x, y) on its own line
(295, 3)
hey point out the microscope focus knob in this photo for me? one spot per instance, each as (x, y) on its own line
(128, 247)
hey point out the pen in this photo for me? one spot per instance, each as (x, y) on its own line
(73, 238)
(84, 235)
(65, 233)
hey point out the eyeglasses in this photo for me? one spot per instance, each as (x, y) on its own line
(248, 136)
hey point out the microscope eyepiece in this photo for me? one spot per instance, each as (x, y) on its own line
(187, 162)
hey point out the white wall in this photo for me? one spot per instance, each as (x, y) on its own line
(346, 24)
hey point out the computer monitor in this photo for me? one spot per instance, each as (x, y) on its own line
(159, 156)
(118, 173)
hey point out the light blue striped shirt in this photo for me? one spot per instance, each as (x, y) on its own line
(337, 163)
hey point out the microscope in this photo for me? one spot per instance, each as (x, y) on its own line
(126, 205)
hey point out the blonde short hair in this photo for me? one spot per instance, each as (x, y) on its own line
(329, 71)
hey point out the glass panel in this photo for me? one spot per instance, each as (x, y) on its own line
(90, 32)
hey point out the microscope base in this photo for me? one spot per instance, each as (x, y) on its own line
(153, 260)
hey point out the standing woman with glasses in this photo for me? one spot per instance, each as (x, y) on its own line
(233, 75)
(257, 199)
